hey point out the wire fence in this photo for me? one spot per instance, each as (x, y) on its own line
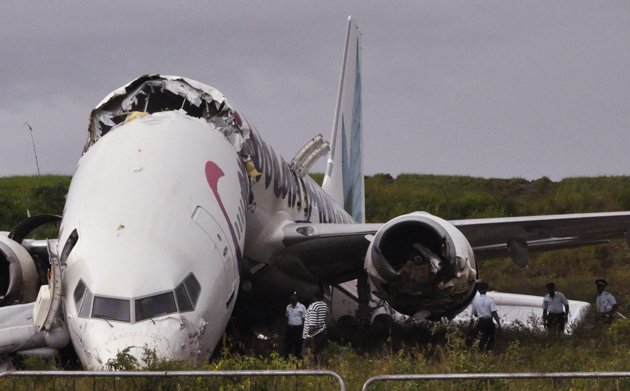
(237, 379)
(492, 376)
(196, 380)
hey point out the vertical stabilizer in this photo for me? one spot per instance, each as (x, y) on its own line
(343, 179)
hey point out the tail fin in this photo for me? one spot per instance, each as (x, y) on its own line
(343, 179)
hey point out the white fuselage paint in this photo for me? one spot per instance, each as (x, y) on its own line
(146, 218)
(146, 215)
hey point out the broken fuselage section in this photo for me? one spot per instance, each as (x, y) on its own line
(157, 212)
(172, 181)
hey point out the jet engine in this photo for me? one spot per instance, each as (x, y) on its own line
(422, 265)
(18, 274)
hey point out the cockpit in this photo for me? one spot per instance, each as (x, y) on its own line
(182, 299)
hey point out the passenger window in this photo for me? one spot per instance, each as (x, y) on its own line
(157, 305)
(108, 308)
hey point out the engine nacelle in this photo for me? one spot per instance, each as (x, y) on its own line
(422, 265)
(18, 275)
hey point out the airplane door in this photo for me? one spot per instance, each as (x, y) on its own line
(49, 297)
(219, 240)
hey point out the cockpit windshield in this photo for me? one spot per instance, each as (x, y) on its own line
(182, 299)
(83, 300)
(109, 308)
(157, 305)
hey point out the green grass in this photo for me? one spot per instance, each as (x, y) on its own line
(22, 195)
(450, 197)
(590, 348)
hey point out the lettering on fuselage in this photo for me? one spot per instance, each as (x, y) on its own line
(276, 171)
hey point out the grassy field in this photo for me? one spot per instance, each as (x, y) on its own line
(442, 348)
(450, 197)
(21, 196)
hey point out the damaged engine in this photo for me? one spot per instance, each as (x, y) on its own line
(23, 265)
(422, 265)
(18, 274)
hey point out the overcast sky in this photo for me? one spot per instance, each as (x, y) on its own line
(483, 88)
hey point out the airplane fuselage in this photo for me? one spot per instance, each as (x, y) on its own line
(157, 199)
(153, 203)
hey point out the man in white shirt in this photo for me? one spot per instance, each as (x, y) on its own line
(555, 310)
(605, 303)
(295, 314)
(484, 309)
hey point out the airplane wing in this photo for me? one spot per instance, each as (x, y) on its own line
(515, 236)
(421, 263)
(337, 252)
(330, 253)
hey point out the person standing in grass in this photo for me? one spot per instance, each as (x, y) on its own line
(555, 310)
(605, 303)
(295, 313)
(315, 335)
(485, 310)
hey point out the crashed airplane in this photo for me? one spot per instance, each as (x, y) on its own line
(180, 215)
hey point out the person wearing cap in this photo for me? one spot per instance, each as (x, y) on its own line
(605, 303)
(555, 310)
(295, 314)
(485, 310)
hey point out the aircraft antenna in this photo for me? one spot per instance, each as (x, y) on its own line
(34, 149)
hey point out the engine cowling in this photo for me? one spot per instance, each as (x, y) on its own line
(422, 265)
(18, 274)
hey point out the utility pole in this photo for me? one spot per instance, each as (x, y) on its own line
(34, 150)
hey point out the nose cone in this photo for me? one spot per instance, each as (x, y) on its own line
(148, 215)
(136, 351)
(115, 346)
